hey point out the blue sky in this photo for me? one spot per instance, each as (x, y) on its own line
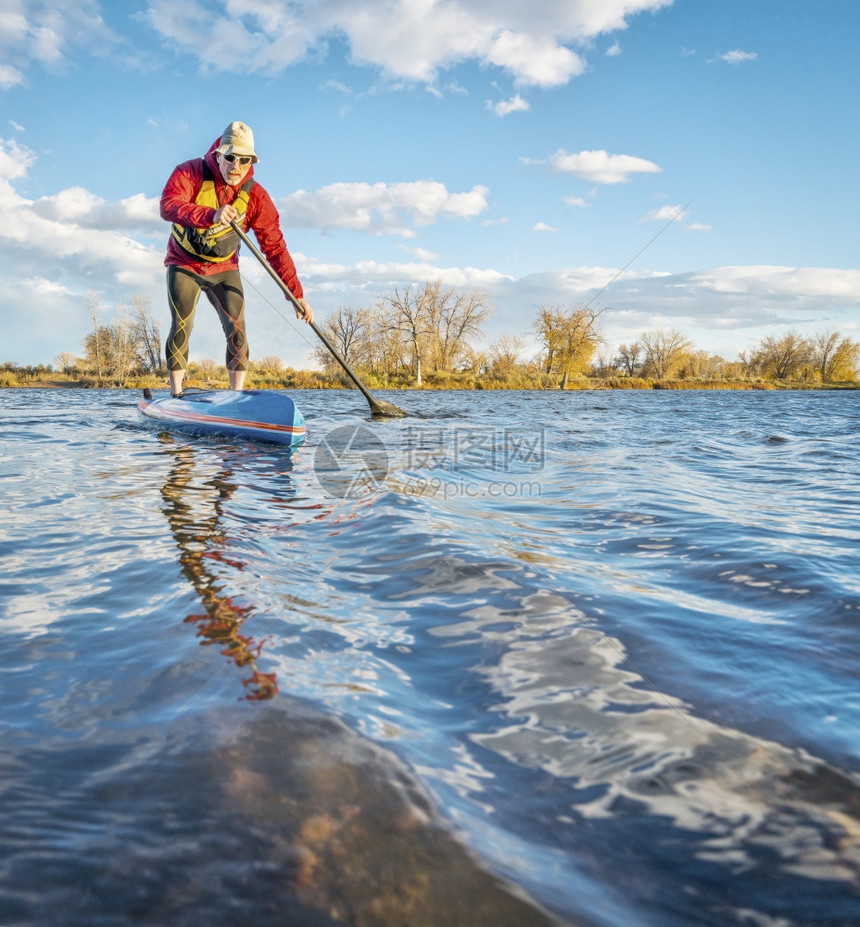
(527, 150)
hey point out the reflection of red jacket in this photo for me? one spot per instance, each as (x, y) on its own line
(177, 205)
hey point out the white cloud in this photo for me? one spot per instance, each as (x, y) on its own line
(421, 253)
(85, 209)
(738, 57)
(505, 107)
(614, 50)
(10, 77)
(600, 166)
(382, 275)
(666, 214)
(576, 201)
(14, 160)
(338, 86)
(410, 39)
(108, 246)
(55, 318)
(723, 309)
(85, 236)
(543, 227)
(533, 60)
(380, 208)
(45, 32)
(767, 282)
(98, 244)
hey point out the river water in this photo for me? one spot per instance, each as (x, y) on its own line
(584, 658)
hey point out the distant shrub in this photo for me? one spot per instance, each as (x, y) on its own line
(627, 383)
(709, 384)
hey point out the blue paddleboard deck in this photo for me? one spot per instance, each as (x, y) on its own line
(252, 414)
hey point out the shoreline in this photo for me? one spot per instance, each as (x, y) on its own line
(596, 386)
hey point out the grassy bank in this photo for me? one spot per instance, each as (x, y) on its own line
(304, 379)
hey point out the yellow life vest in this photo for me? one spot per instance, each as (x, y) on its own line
(219, 242)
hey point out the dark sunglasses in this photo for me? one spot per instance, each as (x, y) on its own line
(241, 160)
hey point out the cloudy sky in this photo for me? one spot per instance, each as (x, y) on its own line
(683, 164)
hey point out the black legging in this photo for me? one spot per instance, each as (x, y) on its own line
(225, 293)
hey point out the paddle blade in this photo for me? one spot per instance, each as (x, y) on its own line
(379, 408)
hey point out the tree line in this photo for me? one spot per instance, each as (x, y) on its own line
(129, 347)
(432, 334)
(417, 330)
(434, 330)
(825, 357)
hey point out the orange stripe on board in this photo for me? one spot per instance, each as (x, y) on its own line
(218, 420)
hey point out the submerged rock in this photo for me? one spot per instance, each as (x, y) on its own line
(354, 835)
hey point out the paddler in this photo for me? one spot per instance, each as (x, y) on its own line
(201, 198)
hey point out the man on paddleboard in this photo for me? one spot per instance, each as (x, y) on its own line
(201, 198)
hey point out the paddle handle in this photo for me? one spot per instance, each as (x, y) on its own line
(290, 295)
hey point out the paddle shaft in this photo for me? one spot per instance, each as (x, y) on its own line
(376, 406)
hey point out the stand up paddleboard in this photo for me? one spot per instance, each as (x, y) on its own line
(251, 414)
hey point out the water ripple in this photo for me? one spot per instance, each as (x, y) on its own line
(574, 658)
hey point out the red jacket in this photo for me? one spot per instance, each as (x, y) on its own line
(178, 205)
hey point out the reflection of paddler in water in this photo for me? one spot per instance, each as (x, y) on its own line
(345, 833)
(195, 511)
